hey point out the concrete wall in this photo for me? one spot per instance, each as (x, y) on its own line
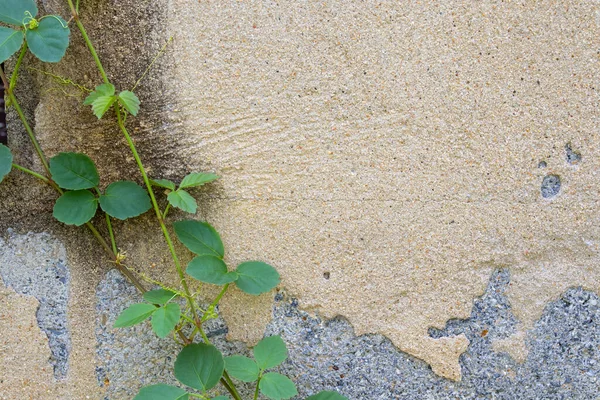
(391, 159)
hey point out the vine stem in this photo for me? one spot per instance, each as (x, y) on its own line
(164, 215)
(15, 104)
(138, 160)
(224, 381)
(30, 172)
(256, 391)
(159, 215)
(111, 234)
(15, 74)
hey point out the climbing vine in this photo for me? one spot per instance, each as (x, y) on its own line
(199, 366)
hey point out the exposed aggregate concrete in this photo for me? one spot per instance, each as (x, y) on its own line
(563, 361)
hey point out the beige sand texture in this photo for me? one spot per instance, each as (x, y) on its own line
(24, 371)
(395, 145)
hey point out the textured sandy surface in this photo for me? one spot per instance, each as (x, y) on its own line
(395, 145)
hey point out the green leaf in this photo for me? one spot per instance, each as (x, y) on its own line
(270, 352)
(276, 386)
(210, 269)
(164, 183)
(327, 395)
(102, 104)
(256, 277)
(125, 199)
(10, 42)
(165, 318)
(197, 179)
(6, 159)
(106, 89)
(159, 296)
(221, 398)
(74, 171)
(130, 101)
(134, 314)
(75, 207)
(50, 39)
(199, 366)
(14, 11)
(162, 392)
(199, 237)
(183, 200)
(242, 368)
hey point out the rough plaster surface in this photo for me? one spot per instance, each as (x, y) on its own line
(385, 156)
(394, 146)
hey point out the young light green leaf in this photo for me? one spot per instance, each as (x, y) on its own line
(162, 392)
(276, 386)
(74, 171)
(10, 42)
(199, 237)
(270, 352)
(159, 296)
(134, 314)
(210, 269)
(256, 277)
(197, 179)
(6, 159)
(183, 200)
(165, 318)
(130, 101)
(106, 89)
(164, 183)
(125, 199)
(75, 207)
(199, 366)
(14, 12)
(102, 104)
(327, 395)
(49, 41)
(242, 368)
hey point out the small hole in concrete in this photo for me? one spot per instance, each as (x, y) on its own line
(326, 275)
(542, 164)
(550, 186)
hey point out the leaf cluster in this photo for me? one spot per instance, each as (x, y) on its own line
(180, 198)
(47, 37)
(104, 97)
(77, 173)
(252, 277)
(268, 353)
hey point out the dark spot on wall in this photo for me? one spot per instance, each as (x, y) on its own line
(542, 164)
(573, 157)
(550, 186)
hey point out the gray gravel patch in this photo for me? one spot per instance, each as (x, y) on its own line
(35, 264)
(563, 362)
